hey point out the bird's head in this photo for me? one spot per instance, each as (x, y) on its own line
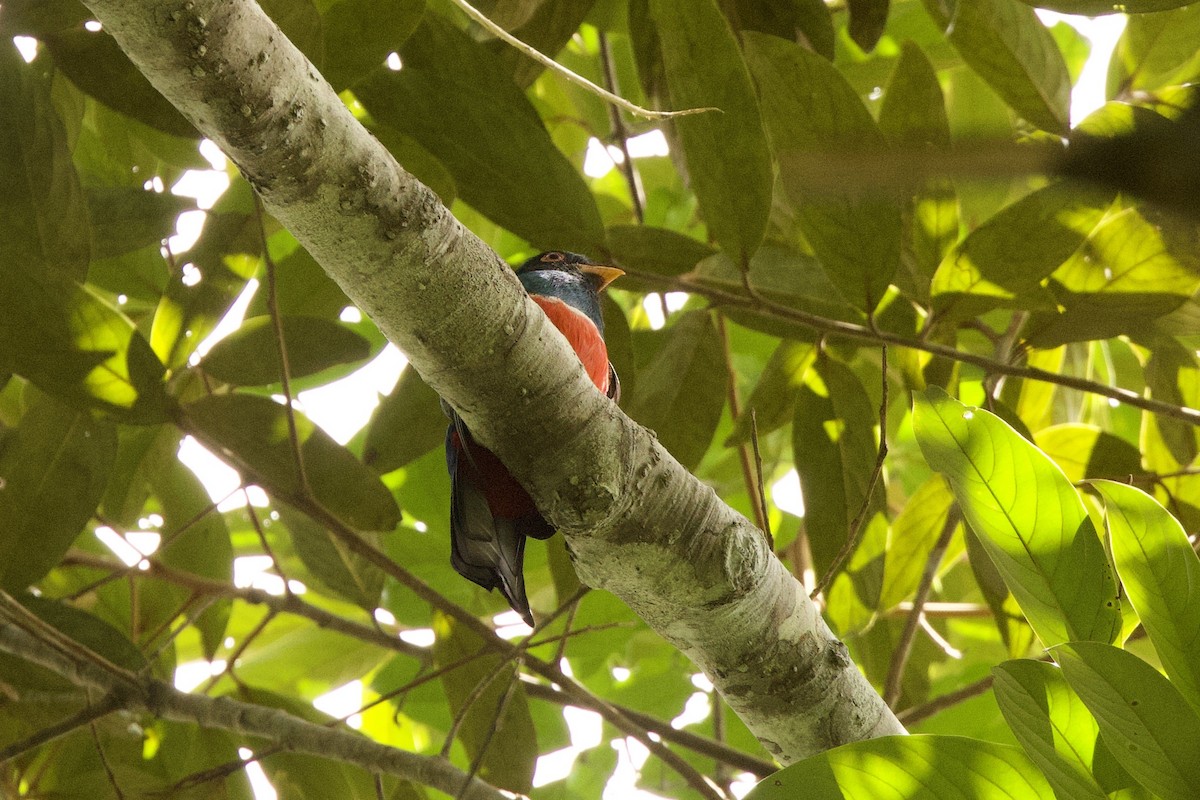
(574, 279)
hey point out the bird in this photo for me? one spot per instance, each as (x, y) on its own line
(491, 514)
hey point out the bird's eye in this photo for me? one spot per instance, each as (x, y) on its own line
(553, 258)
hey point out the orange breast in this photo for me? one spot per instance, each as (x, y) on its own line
(582, 334)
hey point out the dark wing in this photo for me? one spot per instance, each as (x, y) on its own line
(485, 548)
(614, 384)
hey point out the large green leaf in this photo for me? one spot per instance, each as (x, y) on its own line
(1005, 260)
(1156, 50)
(454, 98)
(773, 397)
(406, 425)
(1085, 451)
(1160, 574)
(1007, 45)
(1148, 726)
(252, 433)
(359, 34)
(94, 63)
(53, 475)
(727, 156)
(1028, 517)
(250, 355)
(499, 733)
(327, 558)
(126, 218)
(910, 768)
(43, 212)
(71, 343)
(1133, 268)
(914, 532)
(1052, 724)
(913, 116)
(834, 446)
(810, 108)
(681, 392)
(656, 250)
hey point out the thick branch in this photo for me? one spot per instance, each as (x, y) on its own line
(638, 524)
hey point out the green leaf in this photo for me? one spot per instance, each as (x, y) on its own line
(868, 18)
(302, 289)
(1148, 726)
(406, 425)
(1131, 270)
(656, 250)
(359, 35)
(681, 392)
(69, 342)
(834, 445)
(250, 355)
(1085, 451)
(1156, 50)
(806, 21)
(43, 211)
(909, 768)
(450, 90)
(126, 218)
(195, 540)
(327, 558)
(1173, 376)
(301, 24)
(304, 656)
(1005, 260)
(728, 160)
(1028, 517)
(774, 396)
(1007, 45)
(1160, 573)
(252, 434)
(1052, 724)
(545, 26)
(37, 17)
(500, 733)
(52, 477)
(913, 116)
(809, 108)
(100, 69)
(914, 532)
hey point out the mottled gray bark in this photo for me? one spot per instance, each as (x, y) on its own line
(637, 523)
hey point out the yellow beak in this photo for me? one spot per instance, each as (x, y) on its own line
(605, 275)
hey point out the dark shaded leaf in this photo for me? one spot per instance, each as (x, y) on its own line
(728, 160)
(128, 218)
(346, 573)
(252, 434)
(52, 477)
(43, 211)
(656, 250)
(406, 425)
(250, 355)
(359, 35)
(810, 108)
(546, 26)
(808, 22)
(868, 18)
(681, 392)
(96, 65)
(450, 90)
(39, 17)
(302, 289)
(1007, 45)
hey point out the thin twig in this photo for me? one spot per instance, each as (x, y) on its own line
(903, 649)
(233, 657)
(762, 484)
(578, 80)
(112, 779)
(619, 131)
(856, 526)
(285, 372)
(108, 704)
(735, 411)
(755, 301)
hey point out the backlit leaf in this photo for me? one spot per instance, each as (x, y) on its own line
(1028, 517)
(250, 355)
(406, 425)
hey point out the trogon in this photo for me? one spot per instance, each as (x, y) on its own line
(490, 513)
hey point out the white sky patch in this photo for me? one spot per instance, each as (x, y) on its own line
(259, 783)
(230, 322)
(786, 494)
(1103, 33)
(696, 709)
(343, 701)
(419, 637)
(600, 159)
(193, 673)
(652, 305)
(343, 407)
(27, 46)
(117, 544)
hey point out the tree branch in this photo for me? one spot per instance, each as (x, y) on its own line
(139, 694)
(639, 525)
